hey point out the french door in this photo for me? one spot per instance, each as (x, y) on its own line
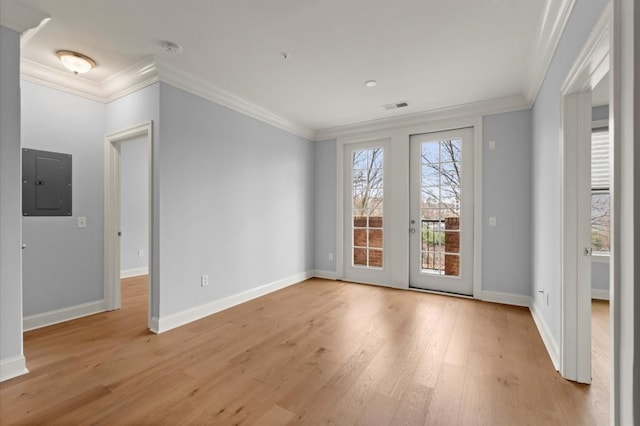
(441, 211)
(365, 187)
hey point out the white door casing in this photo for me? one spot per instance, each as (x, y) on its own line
(112, 213)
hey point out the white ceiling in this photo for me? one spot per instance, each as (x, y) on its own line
(431, 53)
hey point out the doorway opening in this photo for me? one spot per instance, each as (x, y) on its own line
(589, 70)
(129, 216)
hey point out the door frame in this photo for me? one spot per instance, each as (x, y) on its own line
(112, 206)
(591, 65)
(398, 214)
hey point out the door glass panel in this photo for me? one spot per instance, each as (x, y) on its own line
(441, 167)
(367, 207)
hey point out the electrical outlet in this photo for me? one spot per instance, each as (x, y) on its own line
(204, 280)
(492, 221)
(330, 256)
(82, 222)
(492, 145)
(140, 253)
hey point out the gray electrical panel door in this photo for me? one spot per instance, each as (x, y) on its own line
(46, 183)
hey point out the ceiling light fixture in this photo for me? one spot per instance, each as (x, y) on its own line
(75, 62)
(371, 83)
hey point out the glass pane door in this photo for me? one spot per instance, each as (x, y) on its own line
(364, 210)
(441, 224)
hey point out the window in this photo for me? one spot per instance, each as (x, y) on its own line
(600, 195)
(367, 207)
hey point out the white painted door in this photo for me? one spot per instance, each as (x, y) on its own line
(441, 211)
(365, 185)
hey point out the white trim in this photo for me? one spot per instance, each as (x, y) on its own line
(599, 294)
(554, 18)
(506, 298)
(488, 107)
(112, 215)
(136, 272)
(133, 78)
(45, 319)
(203, 89)
(13, 367)
(327, 275)
(169, 322)
(590, 67)
(546, 335)
(600, 257)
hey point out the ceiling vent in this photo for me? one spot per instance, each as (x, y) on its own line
(395, 105)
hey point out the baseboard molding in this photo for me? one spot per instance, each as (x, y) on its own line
(506, 298)
(45, 319)
(169, 322)
(327, 275)
(549, 342)
(12, 367)
(599, 294)
(128, 273)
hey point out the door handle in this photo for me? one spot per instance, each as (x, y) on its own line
(587, 251)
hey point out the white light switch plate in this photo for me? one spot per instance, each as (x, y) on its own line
(492, 145)
(492, 221)
(82, 222)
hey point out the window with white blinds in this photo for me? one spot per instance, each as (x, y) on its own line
(600, 158)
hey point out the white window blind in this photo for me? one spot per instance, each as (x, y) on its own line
(600, 158)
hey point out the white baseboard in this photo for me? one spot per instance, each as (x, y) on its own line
(549, 342)
(598, 294)
(506, 298)
(327, 275)
(12, 367)
(169, 322)
(32, 322)
(128, 273)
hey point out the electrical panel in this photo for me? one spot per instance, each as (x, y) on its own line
(46, 183)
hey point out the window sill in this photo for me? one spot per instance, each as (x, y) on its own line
(600, 257)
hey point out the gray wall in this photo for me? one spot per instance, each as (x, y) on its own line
(600, 275)
(134, 109)
(134, 195)
(325, 205)
(236, 202)
(546, 164)
(63, 265)
(10, 208)
(506, 195)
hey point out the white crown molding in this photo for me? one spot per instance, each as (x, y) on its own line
(135, 77)
(552, 23)
(492, 106)
(207, 91)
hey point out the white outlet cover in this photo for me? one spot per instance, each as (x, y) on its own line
(492, 145)
(492, 221)
(82, 222)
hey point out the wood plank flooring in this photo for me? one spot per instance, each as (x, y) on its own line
(319, 352)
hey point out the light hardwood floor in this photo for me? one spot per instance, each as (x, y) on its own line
(320, 352)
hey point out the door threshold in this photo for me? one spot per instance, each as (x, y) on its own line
(440, 293)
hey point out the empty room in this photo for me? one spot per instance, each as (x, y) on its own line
(343, 212)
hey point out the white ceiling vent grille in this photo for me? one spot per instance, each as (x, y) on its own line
(396, 105)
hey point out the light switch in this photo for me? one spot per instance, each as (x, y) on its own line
(140, 253)
(82, 222)
(492, 221)
(492, 145)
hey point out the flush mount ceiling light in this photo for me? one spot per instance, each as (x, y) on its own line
(371, 83)
(75, 62)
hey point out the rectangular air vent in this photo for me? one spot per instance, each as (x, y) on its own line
(395, 105)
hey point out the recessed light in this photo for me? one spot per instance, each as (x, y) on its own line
(75, 62)
(171, 47)
(371, 83)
